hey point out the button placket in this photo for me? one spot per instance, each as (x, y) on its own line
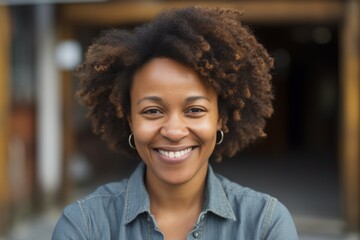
(196, 234)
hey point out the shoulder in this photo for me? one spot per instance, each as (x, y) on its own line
(238, 193)
(89, 215)
(246, 201)
(102, 196)
(109, 190)
(260, 211)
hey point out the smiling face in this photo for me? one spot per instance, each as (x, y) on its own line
(174, 119)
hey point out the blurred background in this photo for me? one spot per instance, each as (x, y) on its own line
(310, 160)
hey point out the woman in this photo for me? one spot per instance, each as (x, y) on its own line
(192, 84)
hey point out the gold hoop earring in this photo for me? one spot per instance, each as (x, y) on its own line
(129, 140)
(222, 137)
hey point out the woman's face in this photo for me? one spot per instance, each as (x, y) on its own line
(174, 119)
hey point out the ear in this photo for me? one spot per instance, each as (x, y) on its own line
(128, 117)
(219, 123)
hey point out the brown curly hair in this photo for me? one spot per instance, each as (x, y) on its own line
(213, 42)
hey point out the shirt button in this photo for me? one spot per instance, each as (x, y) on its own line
(196, 234)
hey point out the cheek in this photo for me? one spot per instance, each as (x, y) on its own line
(206, 130)
(144, 131)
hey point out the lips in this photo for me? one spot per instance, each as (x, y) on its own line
(174, 154)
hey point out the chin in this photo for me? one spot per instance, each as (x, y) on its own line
(183, 176)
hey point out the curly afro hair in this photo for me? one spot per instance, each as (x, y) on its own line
(213, 42)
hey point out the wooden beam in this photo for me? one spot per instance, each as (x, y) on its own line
(264, 12)
(350, 122)
(4, 112)
(68, 125)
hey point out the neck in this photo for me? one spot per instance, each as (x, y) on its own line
(176, 198)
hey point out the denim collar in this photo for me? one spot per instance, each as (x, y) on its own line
(137, 199)
(216, 200)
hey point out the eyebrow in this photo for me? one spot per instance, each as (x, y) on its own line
(159, 99)
(150, 98)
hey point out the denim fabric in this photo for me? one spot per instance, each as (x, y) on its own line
(121, 211)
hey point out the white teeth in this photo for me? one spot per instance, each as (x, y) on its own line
(174, 154)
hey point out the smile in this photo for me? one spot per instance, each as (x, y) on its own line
(174, 154)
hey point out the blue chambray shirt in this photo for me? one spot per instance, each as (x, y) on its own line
(121, 211)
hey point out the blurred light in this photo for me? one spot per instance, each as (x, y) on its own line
(321, 35)
(68, 54)
(79, 168)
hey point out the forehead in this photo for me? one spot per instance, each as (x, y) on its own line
(165, 74)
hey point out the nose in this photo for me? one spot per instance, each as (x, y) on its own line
(174, 129)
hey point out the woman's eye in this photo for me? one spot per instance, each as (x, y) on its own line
(152, 111)
(195, 111)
